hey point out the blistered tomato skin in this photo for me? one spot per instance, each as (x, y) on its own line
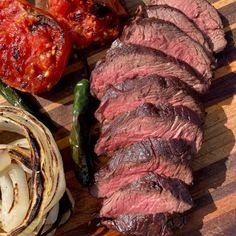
(34, 48)
(89, 23)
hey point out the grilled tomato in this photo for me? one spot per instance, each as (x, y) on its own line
(88, 22)
(34, 48)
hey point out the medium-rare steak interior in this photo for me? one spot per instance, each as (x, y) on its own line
(204, 15)
(150, 194)
(153, 121)
(130, 94)
(167, 158)
(151, 117)
(168, 38)
(126, 61)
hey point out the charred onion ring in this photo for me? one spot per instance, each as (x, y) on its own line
(32, 180)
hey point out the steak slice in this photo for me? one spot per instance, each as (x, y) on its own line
(147, 121)
(149, 89)
(125, 61)
(168, 38)
(139, 225)
(205, 17)
(173, 15)
(150, 194)
(169, 158)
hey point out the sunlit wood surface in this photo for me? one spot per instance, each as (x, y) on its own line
(214, 189)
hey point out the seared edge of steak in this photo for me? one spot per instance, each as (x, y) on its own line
(148, 225)
(178, 18)
(161, 224)
(169, 158)
(145, 195)
(167, 37)
(129, 94)
(204, 15)
(162, 116)
(125, 61)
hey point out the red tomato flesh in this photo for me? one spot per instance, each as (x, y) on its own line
(34, 49)
(89, 23)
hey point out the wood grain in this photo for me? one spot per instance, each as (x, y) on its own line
(214, 188)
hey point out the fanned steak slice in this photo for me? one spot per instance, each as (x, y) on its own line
(148, 89)
(168, 38)
(179, 19)
(124, 62)
(169, 158)
(204, 15)
(150, 194)
(140, 225)
(149, 121)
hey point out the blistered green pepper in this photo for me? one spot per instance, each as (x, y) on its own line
(79, 136)
(12, 97)
(16, 100)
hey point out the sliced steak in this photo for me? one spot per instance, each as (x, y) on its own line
(205, 17)
(148, 89)
(173, 15)
(150, 194)
(168, 38)
(169, 158)
(149, 121)
(127, 61)
(139, 225)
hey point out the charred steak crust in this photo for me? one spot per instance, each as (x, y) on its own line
(152, 182)
(168, 158)
(205, 17)
(149, 120)
(149, 191)
(152, 110)
(148, 89)
(167, 37)
(149, 225)
(178, 18)
(174, 150)
(125, 61)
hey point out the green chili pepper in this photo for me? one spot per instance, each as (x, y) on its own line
(12, 97)
(79, 137)
(16, 100)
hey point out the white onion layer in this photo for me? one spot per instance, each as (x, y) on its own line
(32, 180)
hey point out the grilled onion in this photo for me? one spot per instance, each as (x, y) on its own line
(32, 180)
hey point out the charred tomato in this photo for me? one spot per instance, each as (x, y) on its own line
(88, 22)
(34, 48)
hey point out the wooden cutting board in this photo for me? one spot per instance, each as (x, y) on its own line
(214, 189)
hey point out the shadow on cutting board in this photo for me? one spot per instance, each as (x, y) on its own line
(210, 182)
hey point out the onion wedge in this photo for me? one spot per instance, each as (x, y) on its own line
(32, 179)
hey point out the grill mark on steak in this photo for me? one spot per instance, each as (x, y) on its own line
(149, 89)
(205, 17)
(125, 61)
(169, 158)
(166, 37)
(150, 194)
(149, 120)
